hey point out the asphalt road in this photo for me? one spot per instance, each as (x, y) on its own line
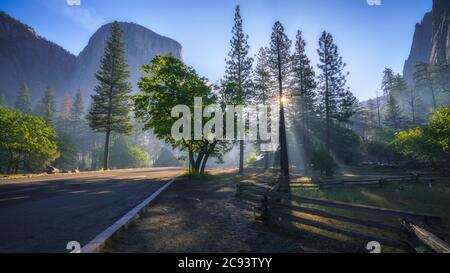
(42, 214)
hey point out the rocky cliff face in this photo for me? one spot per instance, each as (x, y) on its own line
(431, 41)
(141, 46)
(27, 58)
(421, 47)
(440, 50)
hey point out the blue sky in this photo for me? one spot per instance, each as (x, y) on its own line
(369, 37)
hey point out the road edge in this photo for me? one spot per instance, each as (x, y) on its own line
(97, 244)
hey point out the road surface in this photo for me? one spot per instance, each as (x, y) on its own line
(42, 214)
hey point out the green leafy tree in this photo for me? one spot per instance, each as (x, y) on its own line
(23, 102)
(237, 84)
(124, 155)
(67, 150)
(46, 107)
(280, 64)
(431, 144)
(26, 142)
(110, 109)
(168, 82)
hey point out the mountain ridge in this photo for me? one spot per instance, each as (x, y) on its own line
(26, 57)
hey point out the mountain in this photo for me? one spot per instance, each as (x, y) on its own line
(25, 57)
(440, 50)
(421, 47)
(28, 58)
(141, 46)
(431, 41)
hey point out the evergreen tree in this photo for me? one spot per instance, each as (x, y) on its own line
(415, 107)
(336, 101)
(378, 110)
(303, 78)
(280, 64)
(77, 113)
(3, 101)
(388, 81)
(110, 107)
(46, 107)
(304, 85)
(371, 113)
(393, 117)
(64, 122)
(238, 81)
(263, 86)
(23, 103)
(423, 80)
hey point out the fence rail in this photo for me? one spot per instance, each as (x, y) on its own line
(284, 209)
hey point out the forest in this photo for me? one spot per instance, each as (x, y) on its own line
(323, 128)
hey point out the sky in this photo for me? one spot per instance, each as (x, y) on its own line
(370, 34)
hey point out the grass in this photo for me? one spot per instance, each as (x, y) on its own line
(418, 198)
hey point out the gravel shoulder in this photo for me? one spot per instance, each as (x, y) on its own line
(201, 216)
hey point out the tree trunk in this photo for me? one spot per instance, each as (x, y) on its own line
(284, 163)
(241, 157)
(266, 160)
(106, 154)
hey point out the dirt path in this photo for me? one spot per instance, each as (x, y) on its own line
(200, 216)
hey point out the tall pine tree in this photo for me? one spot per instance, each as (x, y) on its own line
(263, 86)
(393, 117)
(423, 79)
(388, 81)
(304, 85)
(238, 81)
(110, 107)
(280, 64)
(46, 107)
(336, 101)
(23, 102)
(64, 122)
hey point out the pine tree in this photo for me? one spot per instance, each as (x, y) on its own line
(423, 80)
(336, 100)
(46, 107)
(263, 86)
(23, 103)
(371, 113)
(64, 122)
(388, 81)
(77, 113)
(304, 85)
(303, 78)
(3, 101)
(415, 107)
(393, 117)
(280, 64)
(378, 110)
(110, 107)
(238, 81)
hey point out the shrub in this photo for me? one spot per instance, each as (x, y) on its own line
(322, 161)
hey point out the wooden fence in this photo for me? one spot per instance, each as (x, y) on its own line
(407, 231)
(380, 181)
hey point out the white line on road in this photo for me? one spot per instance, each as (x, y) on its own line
(99, 242)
